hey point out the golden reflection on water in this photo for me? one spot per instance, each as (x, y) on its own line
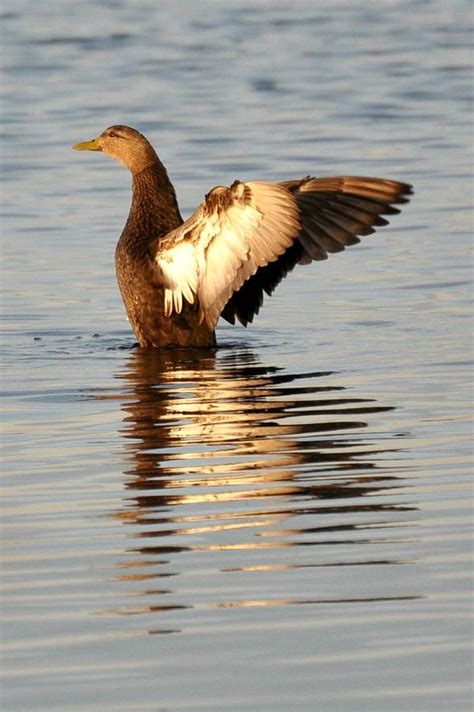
(223, 452)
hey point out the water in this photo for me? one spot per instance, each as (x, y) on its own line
(284, 523)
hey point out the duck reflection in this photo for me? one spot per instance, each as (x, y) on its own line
(224, 452)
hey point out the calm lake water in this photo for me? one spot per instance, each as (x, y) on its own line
(284, 523)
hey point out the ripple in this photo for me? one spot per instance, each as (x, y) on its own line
(229, 457)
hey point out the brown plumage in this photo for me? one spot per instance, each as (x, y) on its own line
(177, 278)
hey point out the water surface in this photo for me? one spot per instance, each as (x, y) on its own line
(284, 522)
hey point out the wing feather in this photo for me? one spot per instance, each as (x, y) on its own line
(243, 240)
(334, 212)
(234, 232)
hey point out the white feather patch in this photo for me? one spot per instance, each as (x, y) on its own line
(179, 268)
(212, 254)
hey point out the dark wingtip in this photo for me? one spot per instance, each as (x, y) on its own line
(405, 191)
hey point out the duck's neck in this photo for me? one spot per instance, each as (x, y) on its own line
(154, 210)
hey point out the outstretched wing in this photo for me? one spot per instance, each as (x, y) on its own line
(243, 240)
(233, 233)
(333, 212)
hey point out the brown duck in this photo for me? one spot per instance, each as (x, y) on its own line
(177, 278)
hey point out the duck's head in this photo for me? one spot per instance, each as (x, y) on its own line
(124, 144)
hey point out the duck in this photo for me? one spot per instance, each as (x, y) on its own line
(178, 277)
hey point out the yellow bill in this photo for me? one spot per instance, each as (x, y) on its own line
(88, 145)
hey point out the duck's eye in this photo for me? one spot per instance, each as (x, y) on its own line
(112, 134)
